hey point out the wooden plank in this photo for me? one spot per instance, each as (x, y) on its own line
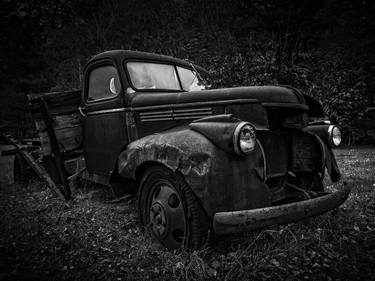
(57, 111)
(58, 102)
(74, 165)
(41, 172)
(55, 96)
(60, 121)
(67, 138)
(55, 149)
(68, 132)
(39, 169)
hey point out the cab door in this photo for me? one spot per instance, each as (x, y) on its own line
(104, 122)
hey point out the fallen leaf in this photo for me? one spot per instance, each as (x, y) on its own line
(275, 262)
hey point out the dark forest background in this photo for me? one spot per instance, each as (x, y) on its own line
(325, 48)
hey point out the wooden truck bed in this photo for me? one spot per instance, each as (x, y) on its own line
(58, 157)
(64, 116)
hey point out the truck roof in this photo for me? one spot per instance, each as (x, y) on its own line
(121, 55)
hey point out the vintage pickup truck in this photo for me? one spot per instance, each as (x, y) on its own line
(199, 160)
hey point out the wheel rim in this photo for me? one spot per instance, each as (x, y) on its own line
(166, 215)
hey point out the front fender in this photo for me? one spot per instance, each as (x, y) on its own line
(222, 181)
(321, 132)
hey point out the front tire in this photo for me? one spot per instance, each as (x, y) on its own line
(169, 210)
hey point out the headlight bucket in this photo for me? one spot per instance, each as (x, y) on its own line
(330, 134)
(334, 135)
(244, 138)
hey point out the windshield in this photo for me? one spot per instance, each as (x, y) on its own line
(149, 76)
(153, 76)
(190, 80)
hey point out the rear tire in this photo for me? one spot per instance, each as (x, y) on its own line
(170, 211)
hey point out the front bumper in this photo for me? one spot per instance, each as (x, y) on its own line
(246, 220)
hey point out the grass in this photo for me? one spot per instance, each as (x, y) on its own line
(95, 238)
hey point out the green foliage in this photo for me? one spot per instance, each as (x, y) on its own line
(324, 48)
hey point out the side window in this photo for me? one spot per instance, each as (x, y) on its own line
(153, 76)
(104, 83)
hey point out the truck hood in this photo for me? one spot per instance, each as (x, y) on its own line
(267, 95)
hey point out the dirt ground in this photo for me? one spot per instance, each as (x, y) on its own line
(97, 238)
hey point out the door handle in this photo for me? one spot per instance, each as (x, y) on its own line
(80, 109)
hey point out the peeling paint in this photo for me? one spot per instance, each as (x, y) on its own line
(197, 164)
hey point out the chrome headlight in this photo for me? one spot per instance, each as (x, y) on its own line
(244, 138)
(334, 135)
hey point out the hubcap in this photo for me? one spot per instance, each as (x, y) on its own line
(166, 216)
(158, 220)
